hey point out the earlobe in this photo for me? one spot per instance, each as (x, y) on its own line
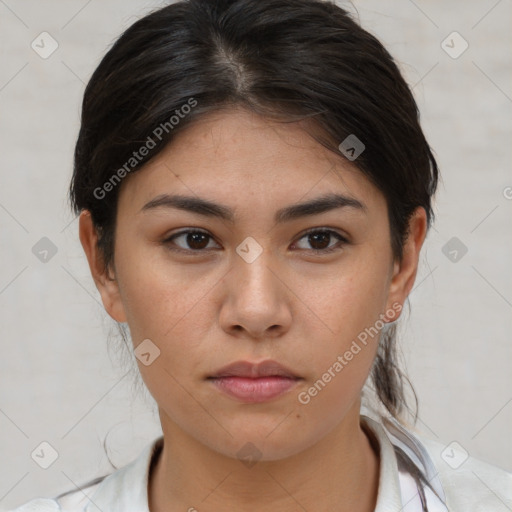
(404, 272)
(105, 282)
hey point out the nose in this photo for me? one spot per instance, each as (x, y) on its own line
(257, 300)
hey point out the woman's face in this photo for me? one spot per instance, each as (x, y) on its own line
(254, 287)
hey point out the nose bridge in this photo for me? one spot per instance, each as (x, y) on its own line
(257, 300)
(253, 267)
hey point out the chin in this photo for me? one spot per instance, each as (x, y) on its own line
(257, 443)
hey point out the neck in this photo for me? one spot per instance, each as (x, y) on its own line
(340, 472)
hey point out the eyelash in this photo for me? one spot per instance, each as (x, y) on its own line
(342, 240)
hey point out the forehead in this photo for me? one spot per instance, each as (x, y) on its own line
(237, 157)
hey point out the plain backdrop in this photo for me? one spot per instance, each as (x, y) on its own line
(62, 385)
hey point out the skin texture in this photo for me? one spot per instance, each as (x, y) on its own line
(300, 308)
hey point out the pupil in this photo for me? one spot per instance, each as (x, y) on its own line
(195, 239)
(316, 236)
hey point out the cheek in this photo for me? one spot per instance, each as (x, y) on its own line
(167, 304)
(349, 304)
(157, 295)
(340, 360)
(350, 310)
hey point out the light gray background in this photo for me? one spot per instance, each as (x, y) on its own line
(61, 384)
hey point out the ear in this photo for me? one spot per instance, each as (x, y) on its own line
(107, 285)
(404, 272)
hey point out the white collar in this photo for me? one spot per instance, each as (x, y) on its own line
(392, 495)
(126, 490)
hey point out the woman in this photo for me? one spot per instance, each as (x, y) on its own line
(254, 191)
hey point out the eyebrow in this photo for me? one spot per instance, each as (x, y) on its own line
(208, 208)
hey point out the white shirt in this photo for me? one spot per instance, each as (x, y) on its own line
(463, 484)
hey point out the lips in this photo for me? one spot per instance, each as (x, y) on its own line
(254, 370)
(254, 382)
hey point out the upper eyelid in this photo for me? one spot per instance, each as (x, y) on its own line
(307, 231)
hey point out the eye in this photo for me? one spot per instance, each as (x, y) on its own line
(195, 239)
(319, 239)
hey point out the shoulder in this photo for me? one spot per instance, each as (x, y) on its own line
(462, 482)
(124, 489)
(72, 501)
(39, 505)
(470, 484)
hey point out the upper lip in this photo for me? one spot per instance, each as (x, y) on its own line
(267, 368)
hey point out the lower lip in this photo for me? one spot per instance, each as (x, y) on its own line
(254, 390)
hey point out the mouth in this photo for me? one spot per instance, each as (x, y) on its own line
(254, 382)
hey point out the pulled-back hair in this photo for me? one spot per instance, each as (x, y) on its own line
(287, 60)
